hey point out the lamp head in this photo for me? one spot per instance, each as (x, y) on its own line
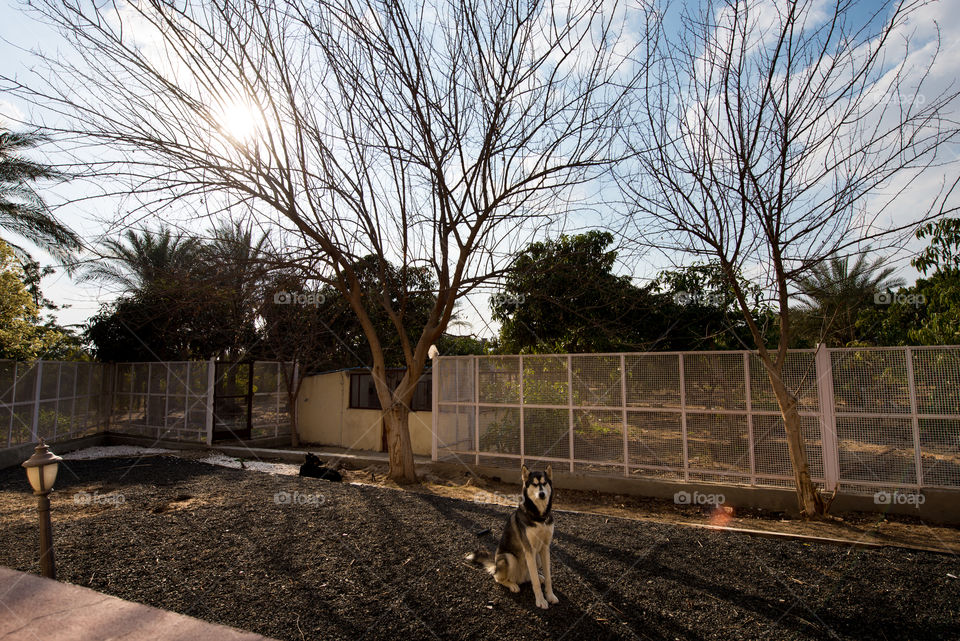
(42, 468)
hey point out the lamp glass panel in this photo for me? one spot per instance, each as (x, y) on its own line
(33, 475)
(49, 475)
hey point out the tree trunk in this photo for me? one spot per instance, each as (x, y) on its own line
(810, 501)
(396, 421)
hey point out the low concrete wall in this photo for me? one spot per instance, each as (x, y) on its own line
(13, 456)
(325, 417)
(939, 506)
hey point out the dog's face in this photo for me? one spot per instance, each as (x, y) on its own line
(312, 459)
(538, 487)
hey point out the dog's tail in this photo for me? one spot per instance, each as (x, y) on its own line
(483, 558)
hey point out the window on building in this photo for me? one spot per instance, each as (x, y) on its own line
(363, 393)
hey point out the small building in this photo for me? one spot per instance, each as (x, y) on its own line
(341, 409)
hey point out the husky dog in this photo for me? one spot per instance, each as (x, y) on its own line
(525, 544)
(313, 467)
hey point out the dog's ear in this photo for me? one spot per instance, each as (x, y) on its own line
(524, 473)
(549, 473)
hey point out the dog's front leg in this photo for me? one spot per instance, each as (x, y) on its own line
(547, 581)
(531, 558)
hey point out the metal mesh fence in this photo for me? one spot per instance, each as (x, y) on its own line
(270, 413)
(167, 400)
(53, 400)
(871, 419)
(164, 400)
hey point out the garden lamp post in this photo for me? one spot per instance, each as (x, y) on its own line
(42, 472)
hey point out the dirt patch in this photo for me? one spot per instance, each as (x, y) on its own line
(297, 558)
(879, 528)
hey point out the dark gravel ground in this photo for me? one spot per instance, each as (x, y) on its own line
(371, 563)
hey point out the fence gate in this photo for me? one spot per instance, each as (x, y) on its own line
(233, 401)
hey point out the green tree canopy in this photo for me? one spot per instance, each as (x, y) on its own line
(314, 324)
(834, 293)
(23, 211)
(182, 298)
(23, 334)
(562, 295)
(927, 312)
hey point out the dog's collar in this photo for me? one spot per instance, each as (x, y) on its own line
(535, 515)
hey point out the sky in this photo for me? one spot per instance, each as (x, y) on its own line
(84, 300)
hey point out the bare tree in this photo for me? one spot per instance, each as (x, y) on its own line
(435, 134)
(771, 126)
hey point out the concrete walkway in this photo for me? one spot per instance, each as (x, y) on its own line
(33, 608)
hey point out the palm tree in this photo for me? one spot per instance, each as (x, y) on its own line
(836, 291)
(140, 259)
(22, 210)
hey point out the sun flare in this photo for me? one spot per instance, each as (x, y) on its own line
(240, 121)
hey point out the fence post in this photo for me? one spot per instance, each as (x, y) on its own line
(522, 427)
(475, 368)
(434, 405)
(623, 401)
(683, 418)
(35, 421)
(13, 405)
(570, 423)
(914, 418)
(211, 383)
(828, 419)
(748, 397)
(56, 412)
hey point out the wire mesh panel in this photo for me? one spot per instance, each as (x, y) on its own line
(598, 440)
(653, 380)
(937, 380)
(596, 381)
(446, 370)
(714, 381)
(270, 407)
(50, 399)
(876, 451)
(772, 454)
(546, 433)
(799, 376)
(500, 430)
(940, 452)
(545, 380)
(718, 443)
(630, 413)
(7, 378)
(870, 380)
(499, 380)
(456, 430)
(655, 442)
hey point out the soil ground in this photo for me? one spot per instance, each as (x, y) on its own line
(299, 558)
(856, 527)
